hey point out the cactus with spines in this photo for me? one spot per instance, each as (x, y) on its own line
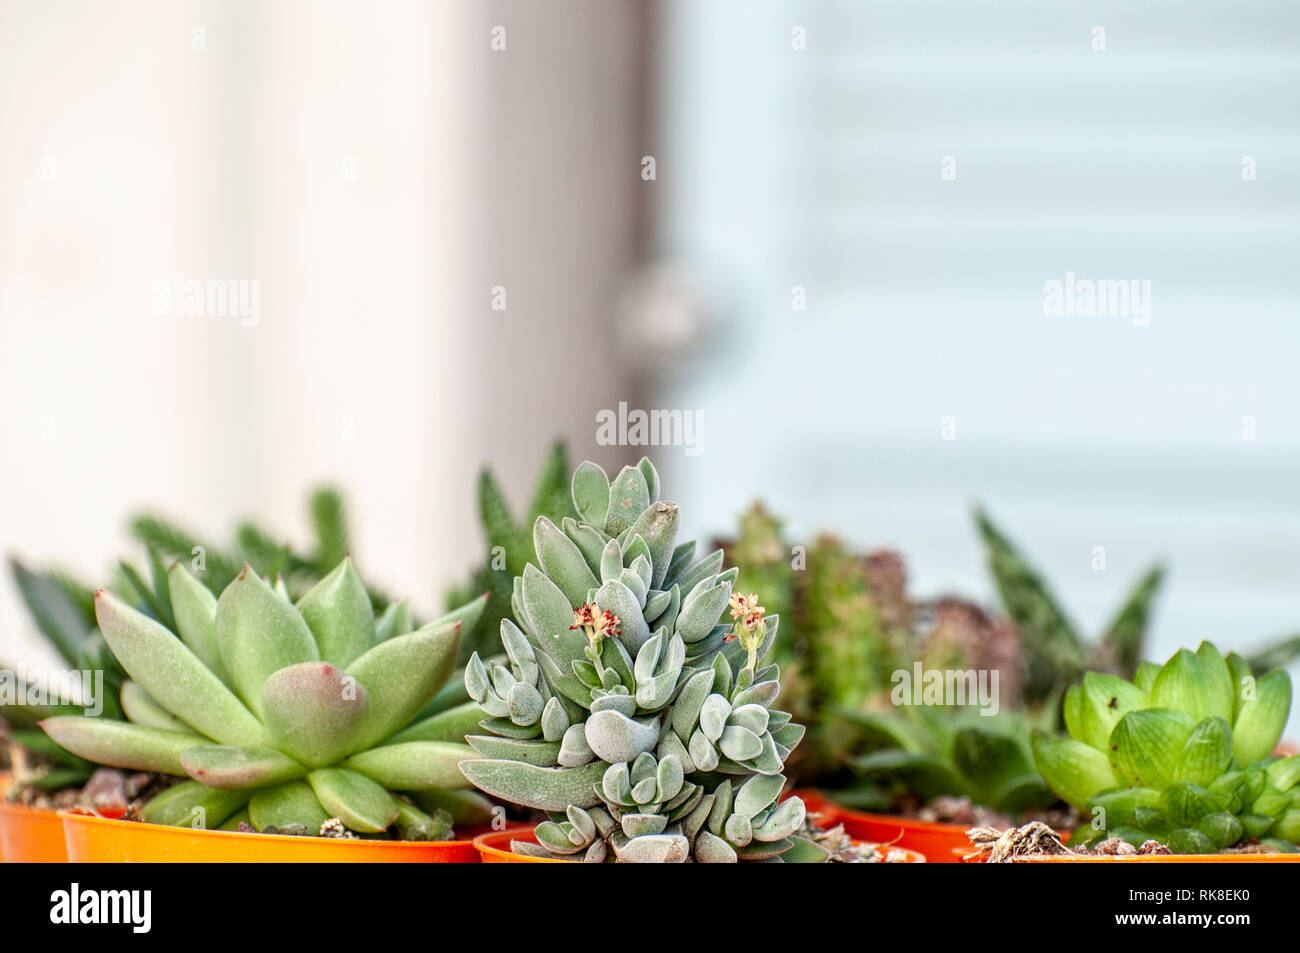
(1183, 755)
(285, 716)
(633, 705)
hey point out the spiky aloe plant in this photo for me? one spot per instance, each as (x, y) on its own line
(282, 715)
(1181, 755)
(628, 709)
(1055, 654)
(510, 546)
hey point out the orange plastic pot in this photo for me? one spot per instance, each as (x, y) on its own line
(495, 848)
(101, 840)
(1154, 859)
(30, 835)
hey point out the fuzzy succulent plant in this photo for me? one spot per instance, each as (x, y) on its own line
(1181, 755)
(628, 708)
(284, 716)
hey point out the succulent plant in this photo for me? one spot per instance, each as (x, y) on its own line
(63, 611)
(283, 715)
(510, 547)
(848, 625)
(1181, 755)
(627, 708)
(927, 753)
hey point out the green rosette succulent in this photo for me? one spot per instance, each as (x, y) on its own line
(285, 716)
(627, 708)
(1181, 755)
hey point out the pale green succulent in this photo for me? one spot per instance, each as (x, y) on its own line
(285, 716)
(1181, 755)
(627, 708)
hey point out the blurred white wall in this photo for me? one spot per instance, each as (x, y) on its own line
(378, 170)
(807, 142)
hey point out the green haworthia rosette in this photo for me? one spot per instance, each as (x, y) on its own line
(313, 713)
(1181, 755)
(627, 706)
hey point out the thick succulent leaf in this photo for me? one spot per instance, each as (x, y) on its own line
(784, 821)
(118, 744)
(337, 610)
(190, 804)
(614, 737)
(1261, 718)
(525, 703)
(287, 804)
(574, 750)
(590, 542)
(555, 722)
(1218, 678)
(1103, 701)
(259, 633)
(544, 754)
(1206, 753)
(651, 477)
(690, 702)
(1187, 803)
(174, 676)
(654, 849)
(622, 601)
(591, 494)
(1072, 769)
(231, 768)
(314, 711)
(194, 608)
(1146, 675)
(705, 568)
(141, 709)
(402, 675)
(628, 498)
(757, 794)
(360, 803)
(544, 789)
(450, 725)
(1184, 685)
(562, 561)
(1146, 745)
(550, 616)
(414, 766)
(658, 527)
(701, 611)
